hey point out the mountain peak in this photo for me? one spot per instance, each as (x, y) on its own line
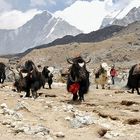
(41, 29)
(89, 15)
(83, 15)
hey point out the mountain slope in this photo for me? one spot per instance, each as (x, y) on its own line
(43, 28)
(122, 49)
(91, 15)
(83, 15)
(124, 16)
(94, 36)
(132, 16)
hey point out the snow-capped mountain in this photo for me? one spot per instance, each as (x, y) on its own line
(91, 15)
(132, 16)
(43, 28)
(84, 15)
(124, 16)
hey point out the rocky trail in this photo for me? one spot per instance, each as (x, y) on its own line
(106, 114)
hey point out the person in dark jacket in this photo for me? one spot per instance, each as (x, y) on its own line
(113, 73)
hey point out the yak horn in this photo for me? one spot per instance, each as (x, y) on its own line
(69, 60)
(17, 69)
(88, 60)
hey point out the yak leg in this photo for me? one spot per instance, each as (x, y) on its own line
(49, 86)
(34, 94)
(50, 83)
(75, 97)
(97, 86)
(133, 90)
(27, 93)
(2, 81)
(108, 85)
(3, 78)
(81, 96)
(103, 86)
(43, 85)
(138, 91)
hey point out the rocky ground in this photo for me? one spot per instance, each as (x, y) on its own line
(106, 114)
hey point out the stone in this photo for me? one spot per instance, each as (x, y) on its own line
(60, 134)
(6, 122)
(17, 117)
(22, 105)
(4, 105)
(80, 120)
(67, 118)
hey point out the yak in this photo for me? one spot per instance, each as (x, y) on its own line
(47, 73)
(20, 82)
(78, 77)
(134, 78)
(33, 81)
(34, 78)
(102, 76)
(2, 72)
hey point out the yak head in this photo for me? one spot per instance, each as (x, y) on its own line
(30, 69)
(29, 66)
(78, 70)
(47, 71)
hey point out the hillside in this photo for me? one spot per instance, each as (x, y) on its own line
(41, 29)
(123, 51)
(95, 36)
(108, 33)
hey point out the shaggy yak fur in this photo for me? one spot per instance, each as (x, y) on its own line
(134, 78)
(33, 81)
(78, 78)
(48, 76)
(2, 72)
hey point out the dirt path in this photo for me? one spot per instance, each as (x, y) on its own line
(105, 114)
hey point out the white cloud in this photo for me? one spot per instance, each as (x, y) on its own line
(14, 19)
(37, 3)
(5, 6)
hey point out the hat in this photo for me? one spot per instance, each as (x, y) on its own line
(112, 65)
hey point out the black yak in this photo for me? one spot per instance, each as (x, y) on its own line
(78, 78)
(47, 73)
(33, 81)
(2, 72)
(134, 78)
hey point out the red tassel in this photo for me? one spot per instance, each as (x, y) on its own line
(74, 88)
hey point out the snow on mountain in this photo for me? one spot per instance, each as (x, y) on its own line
(125, 10)
(91, 15)
(115, 16)
(132, 16)
(43, 28)
(86, 16)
